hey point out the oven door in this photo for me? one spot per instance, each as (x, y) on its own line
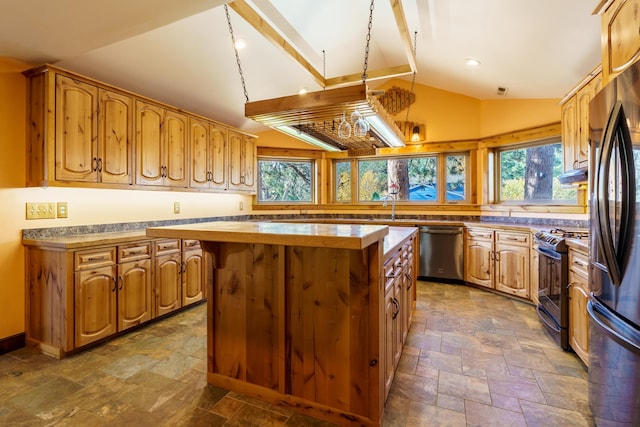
(553, 307)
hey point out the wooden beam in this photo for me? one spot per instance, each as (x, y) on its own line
(253, 18)
(405, 34)
(382, 73)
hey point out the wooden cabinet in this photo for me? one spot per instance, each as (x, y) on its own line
(93, 133)
(168, 272)
(161, 146)
(399, 300)
(512, 263)
(498, 260)
(242, 162)
(95, 306)
(478, 257)
(135, 304)
(578, 298)
(620, 20)
(79, 293)
(193, 272)
(534, 272)
(208, 154)
(575, 121)
(85, 133)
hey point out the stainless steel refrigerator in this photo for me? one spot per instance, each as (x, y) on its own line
(614, 306)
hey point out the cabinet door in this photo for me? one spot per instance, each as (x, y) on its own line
(569, 118)
(134, 293)
(478, 258)
(149, 144)
(168, 283)
(242, 159)
(193, 277)
(389, 340)
(95, 304)
(579, 320)
(512, 270)
(175, 146)
(76, 130)
(114, 137)
(200, 154)
(533, 276)
(218, 152)
(620, 41)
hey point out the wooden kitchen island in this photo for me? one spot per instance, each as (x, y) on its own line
(298, 314)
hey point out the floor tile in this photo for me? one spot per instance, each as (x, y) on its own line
(472, 357)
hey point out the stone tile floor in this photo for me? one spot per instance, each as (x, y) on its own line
(472, 358)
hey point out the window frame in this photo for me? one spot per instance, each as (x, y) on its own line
(313, 173)
(495, 172)
(440, 178)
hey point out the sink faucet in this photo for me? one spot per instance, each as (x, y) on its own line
(393, 205)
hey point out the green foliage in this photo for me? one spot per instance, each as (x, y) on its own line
(285, 181)
(343, 181)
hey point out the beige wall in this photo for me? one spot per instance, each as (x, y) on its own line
(86, 206)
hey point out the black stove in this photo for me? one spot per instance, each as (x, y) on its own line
(553, 296)
(554, 239)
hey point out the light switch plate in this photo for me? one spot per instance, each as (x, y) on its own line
(63, 210)
(176, 207)
(41, 210)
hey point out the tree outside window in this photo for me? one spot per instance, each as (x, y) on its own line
(531, 174)
(285, 181)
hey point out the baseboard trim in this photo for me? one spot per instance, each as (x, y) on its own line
(12, 343)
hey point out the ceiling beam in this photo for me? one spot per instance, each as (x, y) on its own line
(249, 14)
(405, 34)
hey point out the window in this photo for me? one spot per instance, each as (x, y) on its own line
(285, 180)
(414, 178)
(343, 181)
(530, 174)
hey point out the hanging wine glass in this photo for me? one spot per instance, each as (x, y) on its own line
(344, 130)
(355, 116)
(361, 127)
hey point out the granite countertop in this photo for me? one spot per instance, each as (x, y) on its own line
(578, 244)
(86, 240)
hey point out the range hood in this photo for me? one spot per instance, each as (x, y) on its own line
(574, 176)
(315, 118)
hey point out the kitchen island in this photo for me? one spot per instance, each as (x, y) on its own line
(297, 314)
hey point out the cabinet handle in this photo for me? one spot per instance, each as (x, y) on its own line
(121, 283)
(579, 263)
(95, 164)
(97, 258)
(241, 179)
(99, 165)
(184, 266)
(135, 252)
(576, 164)
(115, 284)
(397, 305)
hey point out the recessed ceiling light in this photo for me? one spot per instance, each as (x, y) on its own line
(240, 44)
(471, 62)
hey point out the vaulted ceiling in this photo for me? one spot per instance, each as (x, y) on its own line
(180, 52)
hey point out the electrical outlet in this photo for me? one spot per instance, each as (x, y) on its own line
(41, 210)
(241, 206)
(63, 210)
(176, 207)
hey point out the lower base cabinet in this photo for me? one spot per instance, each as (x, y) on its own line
(578, 298)
(78, 296)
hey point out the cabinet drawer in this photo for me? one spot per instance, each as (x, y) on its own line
(480, 234)
(167, 246)
(134, 251)
(519, 239)
(94, 258)
(579, 263)
(189, 244)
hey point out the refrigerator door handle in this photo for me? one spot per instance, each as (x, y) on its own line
(616, 128)
(604, 319)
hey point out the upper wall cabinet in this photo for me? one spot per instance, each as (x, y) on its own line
(575, 121)
(208, 154)
(87, 134)
(161, 146)
(620, 36)
(242, 162)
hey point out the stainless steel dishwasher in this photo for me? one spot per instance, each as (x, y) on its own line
(441, 252)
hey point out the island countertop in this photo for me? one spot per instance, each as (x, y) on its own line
(343, 236)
